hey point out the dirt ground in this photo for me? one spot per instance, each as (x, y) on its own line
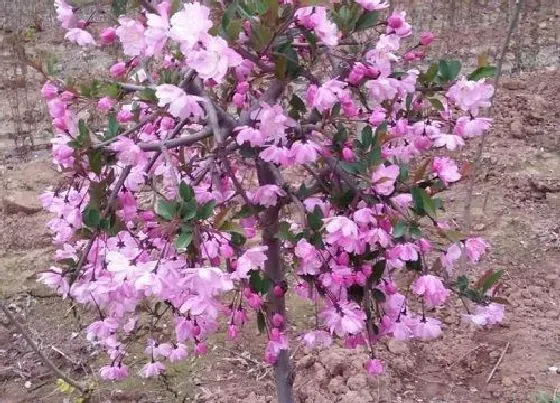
(516, 207)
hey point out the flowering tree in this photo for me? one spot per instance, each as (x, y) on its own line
(247, 150)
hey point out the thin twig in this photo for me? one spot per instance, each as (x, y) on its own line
(26, 334)
(138, 126)
(498, 363)
(478, 157)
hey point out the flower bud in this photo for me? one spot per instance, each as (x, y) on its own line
(395, 20)
(124, 116)
(200, 348)
(278, 291)
(409, 56)
(105, 104)
(233, 331)
(278, 320)
(49, 90)
(426, 38)
(108, 35)
(347, 154)
(118, 70)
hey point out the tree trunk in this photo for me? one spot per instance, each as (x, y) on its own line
(283, 371)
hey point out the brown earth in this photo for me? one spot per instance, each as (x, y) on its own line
(516, 207)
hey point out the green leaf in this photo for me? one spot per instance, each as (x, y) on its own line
(112, 127)
(148, 95)
(297, 107)
(261, 322)
(429, 76)
(403, 173)
(366, 20)
(95, 159)
(436, 103)
(462, 283)
(423, 203)
(237, 239)
(315, 219)
(258, 282)
(186, 191)
(378, 270)
(167, 209)
(378, 295)
(188, 210)
(374, 156)
(284, 233)
(91, 216)
(449, 69)
(489, 281)
(261, 7)
(261, 35)
(118, 7)
(483, 72)
(400, 229)
(112, 90)
(205, 211)
(183, 241)
(366, 138)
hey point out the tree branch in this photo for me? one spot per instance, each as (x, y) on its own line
(26, 334)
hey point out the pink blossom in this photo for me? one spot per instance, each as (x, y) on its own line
(105, 104)
(128, 151)
(267, 195)
(155, 35)
(124, 115)
(371, 5)
(65, 14)
(49, 90)
(253, 259)
(178, 353)
(315, 18)
(374, 367)
(81, 37)
(426, 38)
(468, 127)
(54, 279)
(449, 141)
(251, 135)
(486, 315)
(304, 153)
(114, 372)
(446, 169)
(428, 328)
(452, 254)
(341, 231)
(324, 97)
(382, 89)
(278, 155)
(378, 115)
(432, 289)
(118, 70)
(475, 248)
(131, 36)
(108, 35)
(189, 25)
(317, 339)
(396, 23)
(344, 318)
(152, 369)
(180, 104)
(214, 61)
(471, 96)
(383, 179)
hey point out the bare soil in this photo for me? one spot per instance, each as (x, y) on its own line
(516, 207)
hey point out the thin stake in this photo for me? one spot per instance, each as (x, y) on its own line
(498, 363)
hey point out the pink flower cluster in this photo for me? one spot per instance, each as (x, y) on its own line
(210, 173)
